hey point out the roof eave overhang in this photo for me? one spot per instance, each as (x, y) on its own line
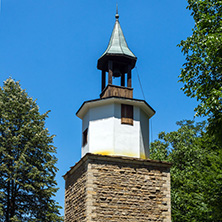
(100, 102)
(103, 60)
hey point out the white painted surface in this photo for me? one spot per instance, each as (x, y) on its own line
(126, 137)
(101, 129)
(144, 134)
(106, 134)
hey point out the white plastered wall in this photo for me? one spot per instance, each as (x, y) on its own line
(106, 134)
(144, 135)
(126, 137)
(101, 129)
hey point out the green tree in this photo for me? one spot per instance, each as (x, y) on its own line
(196, 173)
(27, 160)
(202, 72)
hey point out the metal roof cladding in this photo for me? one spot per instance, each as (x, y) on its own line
(117, 44)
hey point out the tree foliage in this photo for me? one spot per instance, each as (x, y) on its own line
(195, 149)
(202, 72)
(27, 160)
(196, 173)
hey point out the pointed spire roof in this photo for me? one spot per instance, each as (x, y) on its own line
(117, 45)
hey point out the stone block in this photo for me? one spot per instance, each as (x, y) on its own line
(115, 188)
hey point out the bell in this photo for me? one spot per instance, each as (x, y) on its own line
(117, 73)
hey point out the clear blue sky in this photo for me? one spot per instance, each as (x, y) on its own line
(52, 47)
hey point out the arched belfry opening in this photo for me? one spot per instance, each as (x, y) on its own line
(117, 62)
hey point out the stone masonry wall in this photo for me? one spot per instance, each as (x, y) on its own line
(121, 189)
(75, 195)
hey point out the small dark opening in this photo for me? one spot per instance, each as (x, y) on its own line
(85, 137)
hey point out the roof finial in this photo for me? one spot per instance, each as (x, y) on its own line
(117, 15)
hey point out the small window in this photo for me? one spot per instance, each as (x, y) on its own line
(85, 137)
(126, 114)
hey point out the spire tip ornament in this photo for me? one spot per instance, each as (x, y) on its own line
(117, 15)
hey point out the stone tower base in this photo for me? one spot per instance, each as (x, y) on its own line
(113, 188)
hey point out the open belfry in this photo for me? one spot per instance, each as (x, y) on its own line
(115, 180)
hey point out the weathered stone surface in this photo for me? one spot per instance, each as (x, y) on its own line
(108, 188)
(75, 195)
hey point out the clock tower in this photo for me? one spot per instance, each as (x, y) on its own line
(115, 180)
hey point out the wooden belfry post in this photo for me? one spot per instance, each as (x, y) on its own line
(123, 79)
(110, 72)
(129, 77)
(103, 79)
